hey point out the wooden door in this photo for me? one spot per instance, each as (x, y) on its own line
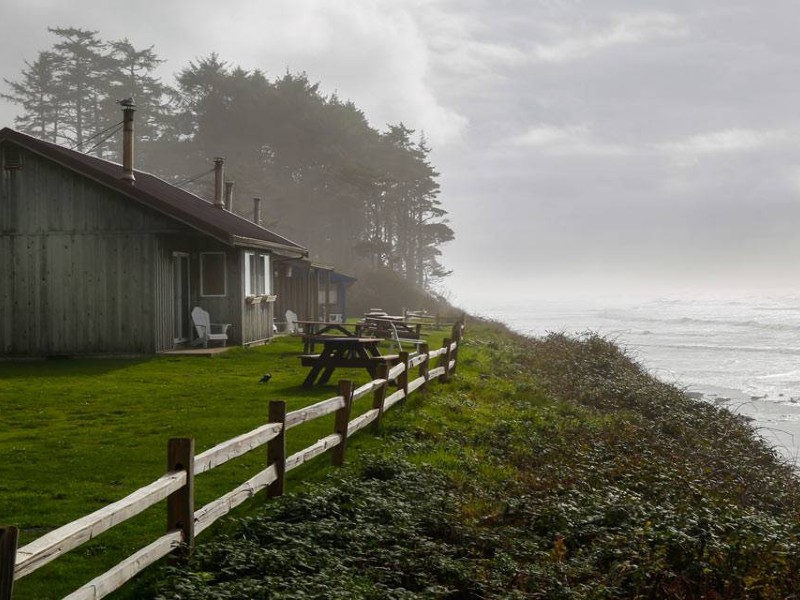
(182, 300)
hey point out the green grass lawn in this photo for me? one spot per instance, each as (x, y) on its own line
(77, 435)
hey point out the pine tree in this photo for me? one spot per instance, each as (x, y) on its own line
(38, 95)
(82, 77)
(133, 77)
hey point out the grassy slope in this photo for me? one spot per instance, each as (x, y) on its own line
(78, 435)
(549, 469)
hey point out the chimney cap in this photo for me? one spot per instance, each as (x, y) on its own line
(127, 102)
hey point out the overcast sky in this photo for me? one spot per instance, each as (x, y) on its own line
(645, 145)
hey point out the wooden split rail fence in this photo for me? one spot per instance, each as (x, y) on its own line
(177, 484)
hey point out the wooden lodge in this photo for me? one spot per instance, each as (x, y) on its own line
(100, 258)
(314, 292)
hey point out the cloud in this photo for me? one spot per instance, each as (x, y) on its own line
(687, 151)
(628, 29)
(791, 175)
(370, 51)
(565, 141)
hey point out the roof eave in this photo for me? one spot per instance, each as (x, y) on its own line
(254, 243)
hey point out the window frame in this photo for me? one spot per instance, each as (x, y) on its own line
(267, 274)
(334, 296)
(257, 275)
(248, 256)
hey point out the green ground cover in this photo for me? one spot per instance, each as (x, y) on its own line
(77, 435)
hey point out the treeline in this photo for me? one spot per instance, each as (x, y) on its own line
(352, 194)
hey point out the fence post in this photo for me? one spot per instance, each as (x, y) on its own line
(444, 361)
(8, 556)
(180, 503)
(457, 329)
(424, 366)
(276, 449)
(342, 420)
(379, 395)
(402, 379)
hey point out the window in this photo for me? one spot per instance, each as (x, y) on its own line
(334, 296)
(212, 274)
(266, 280)
(256, 274)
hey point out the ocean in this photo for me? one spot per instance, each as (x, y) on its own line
(740, 352)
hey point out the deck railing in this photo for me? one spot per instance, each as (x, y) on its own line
(176, 486)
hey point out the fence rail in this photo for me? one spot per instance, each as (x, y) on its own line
(177, 485)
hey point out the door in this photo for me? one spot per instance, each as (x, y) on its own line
(182, 301)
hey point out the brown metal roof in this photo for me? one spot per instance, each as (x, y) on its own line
(161, 196)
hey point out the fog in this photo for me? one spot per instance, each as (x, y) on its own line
(584, 147)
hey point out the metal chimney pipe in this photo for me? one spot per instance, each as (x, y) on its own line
(257, 211)
(128, 108)
(229, 196)
(219, 173)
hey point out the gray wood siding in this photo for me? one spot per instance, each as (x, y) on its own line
(6, 293)
(78, 265)
(292, 295)
(77, 294)
(164, 298)
(257, 320)
(298, 293)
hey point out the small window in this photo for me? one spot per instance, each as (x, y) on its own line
(250, 275)
(212, 274)
(256, 274)
(334, 296)
(265, 278)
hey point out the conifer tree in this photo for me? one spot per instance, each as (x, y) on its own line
(132, 76)
(38, 94)
(82, 77)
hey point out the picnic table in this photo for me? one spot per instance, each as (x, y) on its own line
(313, 329)
(344, 352)
(390, 326)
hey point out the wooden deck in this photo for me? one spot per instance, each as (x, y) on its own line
(197, 351)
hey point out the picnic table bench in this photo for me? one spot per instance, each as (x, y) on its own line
(344, 352)
(313, 329)
(389, 326)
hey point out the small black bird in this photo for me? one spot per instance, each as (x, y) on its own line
(266, 378)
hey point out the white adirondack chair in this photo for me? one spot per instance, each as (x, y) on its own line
(291, 322)
(205, 328)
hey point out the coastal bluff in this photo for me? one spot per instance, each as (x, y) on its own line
(553, 467)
